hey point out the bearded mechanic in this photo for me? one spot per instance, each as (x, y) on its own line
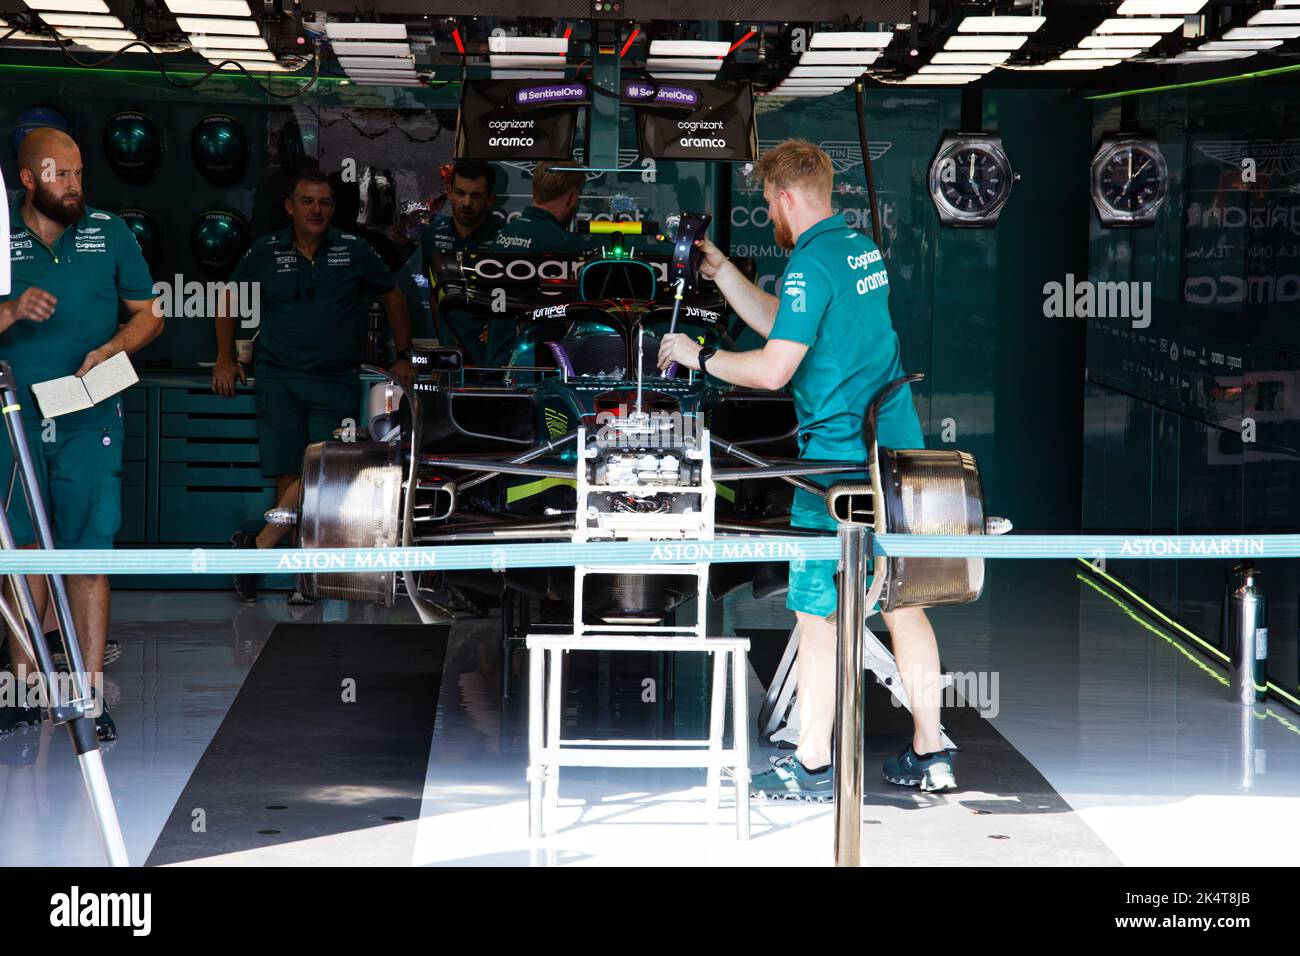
(73, 268)
(472, 226)
(830, 336)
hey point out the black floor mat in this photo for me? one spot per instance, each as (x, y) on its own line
(294, 760)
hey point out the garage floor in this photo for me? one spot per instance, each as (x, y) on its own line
(1091, 738)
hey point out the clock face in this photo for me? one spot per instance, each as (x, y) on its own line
(969, 180)
(1129, 181)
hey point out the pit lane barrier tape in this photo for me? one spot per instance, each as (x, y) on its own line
(499, 557)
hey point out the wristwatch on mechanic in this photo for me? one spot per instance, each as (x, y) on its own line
(706, 353)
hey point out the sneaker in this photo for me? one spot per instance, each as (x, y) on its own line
(12, 718)
(245, 584)
(112, 651)
(909, 769)
(105, 729)
(789, 779)
(298, 599)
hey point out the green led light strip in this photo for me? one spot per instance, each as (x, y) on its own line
(1147, 625)
(1165, 619)
(1273, 71)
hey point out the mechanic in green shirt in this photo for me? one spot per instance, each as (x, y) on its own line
(72, 268)
(313, 285)
(472, 225)
(829, 336)
(544, 226)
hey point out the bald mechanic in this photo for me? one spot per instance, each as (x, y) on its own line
(315, 285)
(72, 268)
(829, 335)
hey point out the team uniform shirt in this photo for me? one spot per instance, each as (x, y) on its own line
(834, 298)
(536, 230)
(440, 236)
(313, 311)
(91, 267)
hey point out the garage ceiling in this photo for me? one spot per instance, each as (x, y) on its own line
(1063, 43)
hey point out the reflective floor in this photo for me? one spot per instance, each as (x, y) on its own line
(1088, 738)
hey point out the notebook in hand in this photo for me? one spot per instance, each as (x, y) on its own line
(59, 396)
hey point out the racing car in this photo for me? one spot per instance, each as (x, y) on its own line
(491, 454)
(579, 436)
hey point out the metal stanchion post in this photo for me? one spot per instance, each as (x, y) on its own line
(848, 696)
(71, 710)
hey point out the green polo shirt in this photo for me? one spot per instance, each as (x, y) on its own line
(313, 311)
(536, 230)
(441, 236)
(835, 299)
(92, 266)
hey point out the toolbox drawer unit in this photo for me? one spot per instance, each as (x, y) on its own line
(190, 475)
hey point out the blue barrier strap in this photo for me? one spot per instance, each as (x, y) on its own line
(499, 557)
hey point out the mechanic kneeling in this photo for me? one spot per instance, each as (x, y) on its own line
(316, 284)
(830, 335)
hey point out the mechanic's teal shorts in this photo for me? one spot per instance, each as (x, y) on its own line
(294, 411)
(812, 583)
(80, 478)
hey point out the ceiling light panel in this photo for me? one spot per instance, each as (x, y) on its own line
(1263, 33)
(69, 6)
(969, 56)
(528, 45)
(1140, 24)
(370, 48)
(846, 57)
(869, 40)
(366, 31)
(676, 63)
(1003, 24)
(1176, 8)
(984, 42)
(706, 48)
(210, 8)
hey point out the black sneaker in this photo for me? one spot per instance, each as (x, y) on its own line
(13, 718)
(245, 584)
(105, 729)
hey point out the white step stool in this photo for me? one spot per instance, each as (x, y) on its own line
(548, 751)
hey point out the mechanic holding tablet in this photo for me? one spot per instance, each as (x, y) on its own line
(829, 334)
(74, 268)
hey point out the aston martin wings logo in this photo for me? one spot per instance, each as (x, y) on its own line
(1271, 157)
(844, 154)
(627, 158)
